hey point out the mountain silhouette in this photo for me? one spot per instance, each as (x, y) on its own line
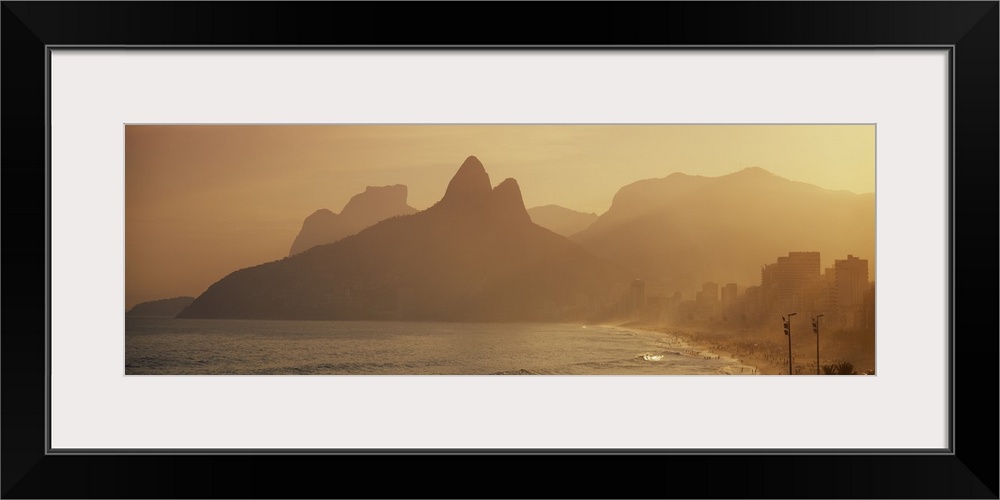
(684, 230)
(363, 210)
(163, 308)
(475, 255)
(561, 220)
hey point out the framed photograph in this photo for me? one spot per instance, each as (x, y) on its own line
(677, 276)
(335, 248)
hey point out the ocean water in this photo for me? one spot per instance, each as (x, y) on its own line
(245, 347)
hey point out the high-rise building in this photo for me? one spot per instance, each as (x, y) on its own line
(708, 300)
(710, 291)
(785, 283)
(728, 295)
(850, 282)
(753, 306)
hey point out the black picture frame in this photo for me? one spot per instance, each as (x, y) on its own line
(969, 470)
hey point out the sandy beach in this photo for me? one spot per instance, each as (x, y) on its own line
(755, 352)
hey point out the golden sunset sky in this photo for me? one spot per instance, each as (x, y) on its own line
(202, 201)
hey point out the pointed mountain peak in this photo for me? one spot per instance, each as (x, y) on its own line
(472, 162)
(509, 184)
(506, 202)
(508, 192)
(470, 182)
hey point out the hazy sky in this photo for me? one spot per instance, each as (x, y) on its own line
(203, 201)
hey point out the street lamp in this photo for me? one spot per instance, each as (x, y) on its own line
(816, 331)
(788, 332)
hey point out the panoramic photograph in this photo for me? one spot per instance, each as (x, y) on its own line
(500, 250)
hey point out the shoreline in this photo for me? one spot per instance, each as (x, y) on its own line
(768, 355)
(761, 358)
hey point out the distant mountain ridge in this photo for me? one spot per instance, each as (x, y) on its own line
(163, 308)
(683, 230)
(475, 256)
(561, 220)
(363, 210)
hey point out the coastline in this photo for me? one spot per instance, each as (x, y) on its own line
(751, 356)
(766, 352)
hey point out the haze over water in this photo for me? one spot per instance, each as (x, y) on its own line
(384, 286)
(245, 347)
